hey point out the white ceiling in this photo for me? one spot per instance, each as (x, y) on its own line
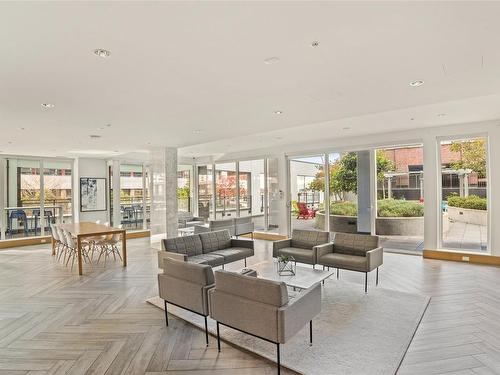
(192, 75)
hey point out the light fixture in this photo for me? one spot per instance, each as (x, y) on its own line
(346, 128)
(417, 83)
(271, 60)
(108, 125)
(102, 53)
(197, 131)
(48, 105)
(94, 136)
(278, 112)
(314, 43)
(441, 114)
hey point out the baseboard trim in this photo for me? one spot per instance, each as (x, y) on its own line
(265, 236)
(18, 242)
(138, 234)
(458, 257)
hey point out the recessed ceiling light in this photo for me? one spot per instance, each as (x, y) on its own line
(47, 105)
(314, 43)
(417, 83)
(102, 53)
(411, 119)
(9, 142)
(23, 128)
(441, 114)
(278, 138)
(271, 60)
(346, 128)
(94, 136)
(197, 131)
(108, 125)
(278, 112)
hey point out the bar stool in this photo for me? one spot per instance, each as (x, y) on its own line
(19, 215)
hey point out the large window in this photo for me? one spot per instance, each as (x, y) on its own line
(184, 184)
(252, 188)
(205, 178)
(28, 209)
(464, 204)
(307, 187)
(131, 196)
(225, 190)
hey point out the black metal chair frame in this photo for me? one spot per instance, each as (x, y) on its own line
(197, 313)
(278, 357)
(365, 272)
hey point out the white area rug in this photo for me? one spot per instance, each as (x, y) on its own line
(356, 333)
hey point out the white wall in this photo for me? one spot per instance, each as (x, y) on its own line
(86, 167)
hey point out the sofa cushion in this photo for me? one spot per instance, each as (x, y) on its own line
(217, 240)
(307, 239)
(190, 245)
(354, 244)
(300, 255)
(233, 254)
(189, 271)
(260, 290)
(211, 260)
(344, 261)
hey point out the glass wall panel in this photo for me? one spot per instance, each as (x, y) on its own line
(464, 204)
(225, 190)
(307, 189)
(22, 211)
(252, 191)
(57, 184)
(400, 198)
(184, 187)
(131, 196)
(205, 177)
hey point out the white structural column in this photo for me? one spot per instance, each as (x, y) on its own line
(493, 175)
(432, 214)
(116, 193)
(164, 194)
(365, 187)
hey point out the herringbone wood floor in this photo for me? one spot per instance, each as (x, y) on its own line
(54, 322)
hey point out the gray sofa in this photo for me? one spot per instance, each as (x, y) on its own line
(186, 285)
(236, 227)
(211, 248)
(187, 219)
(354, 252)
(302, 246)
(261, 307)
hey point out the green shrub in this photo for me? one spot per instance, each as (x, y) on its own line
(386, 208)
(472, 201)
(344, 209)
(399, 208)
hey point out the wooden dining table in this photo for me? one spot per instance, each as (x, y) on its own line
(88, 229)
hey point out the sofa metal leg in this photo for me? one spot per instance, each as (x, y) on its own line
(218, 337)
(245, 262)
(206, 331)
(310, 333)
(338, 273)
(366, 282)
(278, 358)
(222, 266)
(166, 313)
(377, 277)
(314, 266)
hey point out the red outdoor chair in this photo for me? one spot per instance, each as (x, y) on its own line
(305, 212)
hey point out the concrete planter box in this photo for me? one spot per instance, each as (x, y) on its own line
(467, 215)
(400, 226)
(389, 226)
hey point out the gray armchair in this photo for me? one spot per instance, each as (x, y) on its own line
(243, 225)
(261, 308)
(186, 285)
(354, 252)
(302, 246)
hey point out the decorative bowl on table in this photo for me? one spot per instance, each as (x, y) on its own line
(285, 265)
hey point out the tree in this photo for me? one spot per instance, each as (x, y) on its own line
(472, 156)
(344, 174)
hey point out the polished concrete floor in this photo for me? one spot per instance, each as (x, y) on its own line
(55, 322)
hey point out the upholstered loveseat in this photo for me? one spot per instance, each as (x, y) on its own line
(211, 248)
(354, 252)
(302, 246)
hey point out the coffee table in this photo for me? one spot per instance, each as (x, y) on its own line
(304, 277)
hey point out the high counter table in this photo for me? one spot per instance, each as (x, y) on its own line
(89, 229)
